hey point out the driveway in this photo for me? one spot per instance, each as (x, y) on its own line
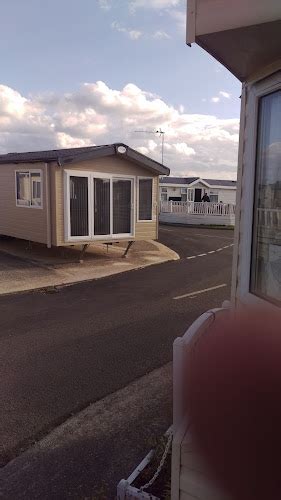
(63, 351)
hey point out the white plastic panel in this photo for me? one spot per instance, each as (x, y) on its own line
(211, 16)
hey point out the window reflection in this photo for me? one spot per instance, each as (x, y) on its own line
(266, 261)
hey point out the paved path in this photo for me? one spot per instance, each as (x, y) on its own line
(60, 352)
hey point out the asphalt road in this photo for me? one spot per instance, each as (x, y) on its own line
(60, 352)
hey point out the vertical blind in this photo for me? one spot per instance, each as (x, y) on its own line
(145, 199)
(79, 216)
(101, 206)
(111, 209)
(122, 202)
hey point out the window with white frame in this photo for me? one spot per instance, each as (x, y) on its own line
(29, 188)
(214, 196)
(190, 194)
(164, 194)
(183, 194)
(98, 205)
(266, 243)
(145, 185)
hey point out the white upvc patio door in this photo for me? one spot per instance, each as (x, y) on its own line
(98, 206)
(122, 206)
(78, 201)
(102, 220)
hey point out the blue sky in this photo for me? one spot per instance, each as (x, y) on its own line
(50, 49)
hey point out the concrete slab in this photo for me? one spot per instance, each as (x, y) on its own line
(26, 267)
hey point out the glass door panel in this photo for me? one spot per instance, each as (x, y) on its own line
(122, 206)
(101, 206)
(79, 206)
(266, 248)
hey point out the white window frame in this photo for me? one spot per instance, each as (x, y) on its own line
(91, 176)
(214, 192)
(67, 225)
(163, 194)
(140, 177)
(255, 92)
(190, 194)
(29, 171)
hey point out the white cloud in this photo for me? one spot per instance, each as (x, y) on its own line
(160, 35)
(153, 4)
(225, 94)
(179, 16)
(195, 144)
(104, 4)
(133, 34)
(183, 148)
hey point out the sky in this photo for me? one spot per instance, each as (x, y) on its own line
(86, 72)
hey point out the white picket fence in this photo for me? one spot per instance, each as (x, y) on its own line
(269, 217)
(192, 207)
(190, 212)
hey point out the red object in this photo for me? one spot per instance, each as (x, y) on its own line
(234, 401)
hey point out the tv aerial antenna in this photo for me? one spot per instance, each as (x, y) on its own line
(159, 132)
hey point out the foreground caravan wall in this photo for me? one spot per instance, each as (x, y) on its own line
(257, 254)
(80, 195)
(245, 36)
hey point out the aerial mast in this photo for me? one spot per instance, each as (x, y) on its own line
(161, 134)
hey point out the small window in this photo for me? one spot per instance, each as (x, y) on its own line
(145, 199)
(23, 189)
(29, 189)
(35, 178)
(214, 197)
(164, 193)
(190, 194)
(266, 247)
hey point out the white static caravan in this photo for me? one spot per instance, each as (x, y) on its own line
(79, 196)
(192, 189)
(245, 37)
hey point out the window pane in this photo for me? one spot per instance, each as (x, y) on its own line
(23, 188)
(101, 206)
(145, 199)
(214, 198)
(122, 206)
(79, 223)
(190, 194)
(266, 258)
(35, 179)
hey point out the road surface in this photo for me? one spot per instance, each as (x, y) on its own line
(60, 352)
